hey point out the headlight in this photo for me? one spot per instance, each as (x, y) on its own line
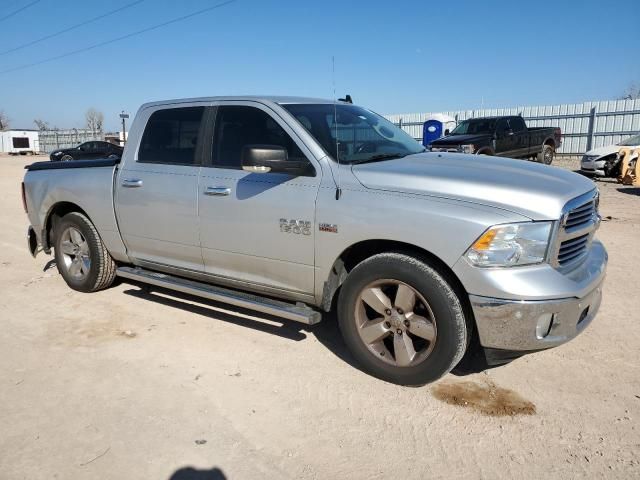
(467, 148)
(511, 244)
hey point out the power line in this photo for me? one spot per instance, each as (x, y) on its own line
(15, 12)
(73, 27)
(117, 39)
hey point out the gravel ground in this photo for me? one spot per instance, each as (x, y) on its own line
(127, 384)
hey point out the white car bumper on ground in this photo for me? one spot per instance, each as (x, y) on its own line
(593, 165)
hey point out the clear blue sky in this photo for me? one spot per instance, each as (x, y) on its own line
(392, 56)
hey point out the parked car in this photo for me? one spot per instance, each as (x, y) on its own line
(87, 151)
(503, 137)
(604, 161)
(274, 204)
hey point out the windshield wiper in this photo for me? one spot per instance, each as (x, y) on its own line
(380, 157)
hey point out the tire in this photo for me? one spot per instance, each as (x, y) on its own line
(546, 155)
(81, 257)
(438, 347)
(66, 158)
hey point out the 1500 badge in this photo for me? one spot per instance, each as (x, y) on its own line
(299, 227)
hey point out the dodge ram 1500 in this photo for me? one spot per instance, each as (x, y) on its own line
(294, 206)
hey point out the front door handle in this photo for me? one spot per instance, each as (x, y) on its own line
(131, 183)
(217, 191)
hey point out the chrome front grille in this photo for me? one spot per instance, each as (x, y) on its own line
(580, 216)
(572, 249)
(453, 149)
(577, 227)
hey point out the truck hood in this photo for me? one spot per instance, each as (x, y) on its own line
(536, 191)
(460, 140)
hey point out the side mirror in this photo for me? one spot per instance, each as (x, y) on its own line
(447, 132)
(270, 158)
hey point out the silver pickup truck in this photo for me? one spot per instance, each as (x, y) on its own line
(293, 207)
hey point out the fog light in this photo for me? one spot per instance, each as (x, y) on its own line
(545, 321)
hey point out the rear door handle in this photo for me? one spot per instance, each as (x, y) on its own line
(131, 183)
(217, 191)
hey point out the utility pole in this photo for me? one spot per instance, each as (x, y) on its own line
(124, 116)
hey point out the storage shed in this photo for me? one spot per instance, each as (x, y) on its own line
(19, 142)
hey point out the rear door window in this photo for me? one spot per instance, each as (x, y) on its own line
(102, 147)
(171, 136)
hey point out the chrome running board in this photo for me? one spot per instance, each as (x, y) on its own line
(298, 312)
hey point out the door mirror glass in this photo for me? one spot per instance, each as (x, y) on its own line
(271, 158)
(447, 132)
(264, 158)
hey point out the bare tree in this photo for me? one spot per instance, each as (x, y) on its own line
(632, 92)
(4, 121)
(95, 120)
(41, 124)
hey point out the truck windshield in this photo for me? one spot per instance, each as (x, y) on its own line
(475, 126)
(353, 134)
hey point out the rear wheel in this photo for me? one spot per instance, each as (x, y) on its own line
(546, 155)
(401, 319)
(81, 257)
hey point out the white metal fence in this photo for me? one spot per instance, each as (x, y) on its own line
(53, 139)
(584, 125)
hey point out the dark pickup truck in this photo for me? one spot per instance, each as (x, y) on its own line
(503, 137)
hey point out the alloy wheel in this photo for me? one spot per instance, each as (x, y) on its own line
(395, 322)
(75, 253)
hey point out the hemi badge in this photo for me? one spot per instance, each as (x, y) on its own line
(328, 227)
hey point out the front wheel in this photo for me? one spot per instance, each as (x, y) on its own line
(546, 155)
(66, 158)
(401, 319)
(81, 257)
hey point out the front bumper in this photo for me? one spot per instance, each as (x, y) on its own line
(533, 325)
(592, 166)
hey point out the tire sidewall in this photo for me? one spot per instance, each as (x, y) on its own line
(451, 337)
(87, 283)
(542, 156)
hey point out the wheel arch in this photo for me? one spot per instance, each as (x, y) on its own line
(356, 253)
(55, 213)
(550, 141)
(485, 151)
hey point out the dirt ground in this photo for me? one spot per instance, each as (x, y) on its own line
(126, 384)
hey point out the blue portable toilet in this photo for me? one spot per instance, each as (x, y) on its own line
(435, 127)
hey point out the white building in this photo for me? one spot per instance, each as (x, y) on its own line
(19, 142)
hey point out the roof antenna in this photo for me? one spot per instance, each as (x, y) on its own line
(335, 123)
